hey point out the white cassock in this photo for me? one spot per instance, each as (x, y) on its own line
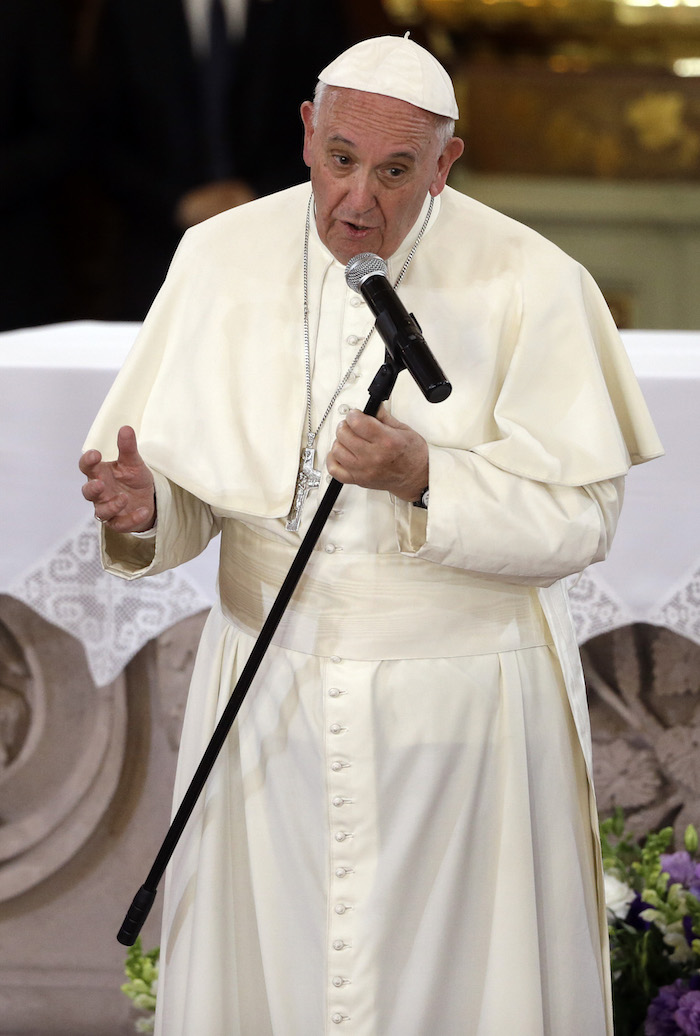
(399, 837)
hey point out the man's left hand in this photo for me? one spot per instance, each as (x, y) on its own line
(379, 453)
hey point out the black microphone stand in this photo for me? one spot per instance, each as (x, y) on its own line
(380, 390)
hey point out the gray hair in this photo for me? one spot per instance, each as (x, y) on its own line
(444, 126)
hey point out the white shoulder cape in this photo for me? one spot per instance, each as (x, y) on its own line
(215, 383)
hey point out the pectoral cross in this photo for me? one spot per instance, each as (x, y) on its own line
(308, 478)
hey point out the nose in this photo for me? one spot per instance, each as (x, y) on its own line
(361, 195)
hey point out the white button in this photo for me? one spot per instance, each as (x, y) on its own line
(344, 408)
(355, 375)
(336, 1019)
(340, 872)
(338, 800)
(330, 548)
(338, 944)
(337, 981)
(340, 836)
(329, 478)
(340, 908)
(336, 766)
(352, 339)
(356, 301)
(335, 728)
(336, 658)
(334, 692)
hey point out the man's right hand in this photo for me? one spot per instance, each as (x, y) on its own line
(122, 491)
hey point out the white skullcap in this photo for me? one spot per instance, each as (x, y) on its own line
(396, 67)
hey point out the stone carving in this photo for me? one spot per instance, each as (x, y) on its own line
(644, 696)
(15, 707)
(62, 745)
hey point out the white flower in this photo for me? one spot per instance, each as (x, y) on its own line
(675, 936)
(618, 897)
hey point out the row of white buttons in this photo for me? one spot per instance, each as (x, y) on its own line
(341, 871)
(336, 727)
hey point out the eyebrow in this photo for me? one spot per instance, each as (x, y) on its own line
(408, 156)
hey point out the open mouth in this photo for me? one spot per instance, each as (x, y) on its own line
(356, 228)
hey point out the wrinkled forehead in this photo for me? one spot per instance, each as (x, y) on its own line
(358, 115)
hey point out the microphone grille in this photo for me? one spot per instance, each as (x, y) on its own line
(362, 266)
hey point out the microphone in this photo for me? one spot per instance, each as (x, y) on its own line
(367, 274)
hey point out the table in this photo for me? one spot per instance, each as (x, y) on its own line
(53, 379)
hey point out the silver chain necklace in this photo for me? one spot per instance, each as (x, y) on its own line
(309, 477)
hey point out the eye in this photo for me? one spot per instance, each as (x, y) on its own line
(394, 175)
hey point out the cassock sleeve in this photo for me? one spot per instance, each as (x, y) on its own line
(538, 495)
(489, 521)
(184, 527)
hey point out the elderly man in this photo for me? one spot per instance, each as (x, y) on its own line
(399, 836)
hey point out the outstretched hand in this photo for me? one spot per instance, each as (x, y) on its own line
(379, 453)
(122, 491)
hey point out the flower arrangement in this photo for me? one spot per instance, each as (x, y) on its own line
(653, 903)
(142, 972)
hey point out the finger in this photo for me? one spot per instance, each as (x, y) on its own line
(127, 446)
(137, 520)
(362, 425)
(108, 509)
(89, 461)
(342, 456)
(346, 436)
(93, 489)
(388, 420)
(336, 470)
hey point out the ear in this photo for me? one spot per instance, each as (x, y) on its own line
(447, 159)
(307, 117)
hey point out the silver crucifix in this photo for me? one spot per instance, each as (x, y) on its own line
(308, 478)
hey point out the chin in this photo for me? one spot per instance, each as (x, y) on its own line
(344, 247)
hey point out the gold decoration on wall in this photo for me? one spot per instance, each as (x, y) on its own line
(630, 12)
(658, 121)
(602, 124)
(586, 88)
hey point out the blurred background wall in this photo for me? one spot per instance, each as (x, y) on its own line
(581, 118)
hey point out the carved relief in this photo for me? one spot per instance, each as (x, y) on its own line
(644, 697)
(61, 748)
(15, 697)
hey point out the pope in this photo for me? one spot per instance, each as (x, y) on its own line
(399, 836)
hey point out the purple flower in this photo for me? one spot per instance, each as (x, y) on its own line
(633, 914)
(687, 1016)
(680, 868)
(660, 1019)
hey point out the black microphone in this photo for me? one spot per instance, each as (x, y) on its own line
(367, 274)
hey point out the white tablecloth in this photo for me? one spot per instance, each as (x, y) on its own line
(53, 379)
